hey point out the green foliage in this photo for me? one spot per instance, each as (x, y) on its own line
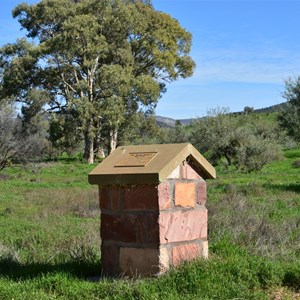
(179, 134)
(105, 60)
(141, 129)
(15, 143)
(247, 141)
(289, 118)
(248, 110)
(49, 233)
(64, 134)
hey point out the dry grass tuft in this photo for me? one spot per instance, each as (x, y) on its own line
(60, 202)
(253, 223)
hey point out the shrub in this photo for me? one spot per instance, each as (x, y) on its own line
(255, 152)
(15, 144)
(246, 142)
(289, 118)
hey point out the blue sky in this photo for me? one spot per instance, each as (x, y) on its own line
(244, 50)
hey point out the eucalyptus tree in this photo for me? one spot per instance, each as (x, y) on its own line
(104, 60)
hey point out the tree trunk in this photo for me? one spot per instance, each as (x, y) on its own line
(113, 140)
(88, 147)
(98, 147)
(100, 152)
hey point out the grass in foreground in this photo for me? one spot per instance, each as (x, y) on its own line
(49, 238)
(230, 273)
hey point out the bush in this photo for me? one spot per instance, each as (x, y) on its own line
(246, 142)
(289, 118)
(256, 152)
(15, 144)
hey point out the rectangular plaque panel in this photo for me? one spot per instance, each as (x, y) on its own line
(136, 159)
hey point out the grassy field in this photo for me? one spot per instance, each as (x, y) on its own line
(49, 238)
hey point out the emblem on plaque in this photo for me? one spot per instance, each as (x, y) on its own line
(136, 159)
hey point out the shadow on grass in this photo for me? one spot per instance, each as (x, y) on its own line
(292, 154)
(294, 187)
(17, 271)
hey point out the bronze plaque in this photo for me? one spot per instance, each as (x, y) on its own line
(136, 159)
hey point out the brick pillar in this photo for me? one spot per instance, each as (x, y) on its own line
(145, 229)
(183, 223)
(129, 230)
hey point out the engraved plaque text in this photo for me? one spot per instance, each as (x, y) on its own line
(136, 159)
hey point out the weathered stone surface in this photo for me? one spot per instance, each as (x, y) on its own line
(187, 172)
(110, 197)
(140, 197)
(116, 193)
(185, 194)
(182, 226)
(191, 173)
(164, 260)
(164, 195)
(168, 157)
(109, 259)
(183, 170)
(205, 249)
(151, 221)
(175, 174)
(104, 197)
(184, 253)
(130, 228)
(201, 192)
(152, 230)
(123, 228)
(139, 261)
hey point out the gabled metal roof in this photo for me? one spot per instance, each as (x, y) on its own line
(145, 164)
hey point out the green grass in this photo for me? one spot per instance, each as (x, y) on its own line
(49, 238)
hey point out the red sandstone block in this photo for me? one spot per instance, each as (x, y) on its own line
(201, 192)
(164, 195)
(139, 261)
(118, 228)
(183, 170)
(185, 253)
(140, 197)
(116, 198)
(152, 230)
(104, 197)
(130, 228)
(109, 259)
(191, 173)
(182, 226)
(185, 194)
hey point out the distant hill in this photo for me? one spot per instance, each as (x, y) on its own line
(273, 108)
(169, 122)
(165, 122)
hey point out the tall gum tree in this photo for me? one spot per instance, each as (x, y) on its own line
(105, 60)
